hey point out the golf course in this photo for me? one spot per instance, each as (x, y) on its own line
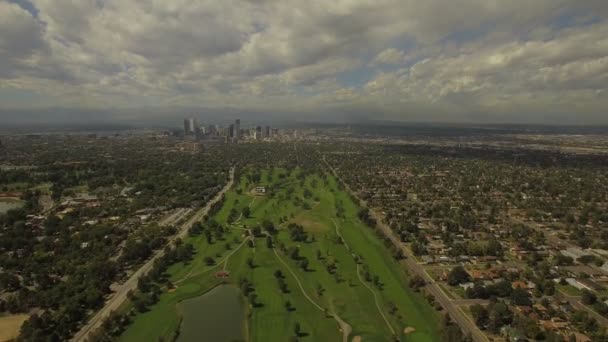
(286, 258)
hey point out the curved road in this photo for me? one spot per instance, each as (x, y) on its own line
(120, 295)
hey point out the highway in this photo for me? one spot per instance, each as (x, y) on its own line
(121, 290)
(457, 315)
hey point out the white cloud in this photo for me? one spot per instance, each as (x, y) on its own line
(468, 55)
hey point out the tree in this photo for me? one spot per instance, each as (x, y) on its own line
(458, 275)
(588, 297)
(209, 261)
(253, 299)
(480, 315)
(246, 212)
(288, 306)
(520, 297)
(304, 264)
(269, 242)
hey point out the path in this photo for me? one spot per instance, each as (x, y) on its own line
(120, 295)
(345, 327)
(376, 299)
(221, 261)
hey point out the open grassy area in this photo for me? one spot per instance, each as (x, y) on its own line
(10, 326)
(569, 290)
(335, 240)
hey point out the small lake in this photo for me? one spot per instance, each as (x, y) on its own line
(216, 316)
(8, 205)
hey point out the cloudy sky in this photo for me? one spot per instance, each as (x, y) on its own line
(449, 60)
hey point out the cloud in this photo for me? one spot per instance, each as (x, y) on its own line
(394, 57)
(20, 38)
(390, 56)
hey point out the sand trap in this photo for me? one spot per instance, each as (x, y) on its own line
(357, 339)
(409, 330)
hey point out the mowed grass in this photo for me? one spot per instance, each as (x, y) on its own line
(341, 293)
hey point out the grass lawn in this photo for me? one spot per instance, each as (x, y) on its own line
(310, 201)
(569, 290)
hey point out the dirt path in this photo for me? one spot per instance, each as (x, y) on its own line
(344, 327)
(376, 299)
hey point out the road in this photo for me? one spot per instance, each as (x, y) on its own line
(457, 315)
(120, 294)
(575, 301)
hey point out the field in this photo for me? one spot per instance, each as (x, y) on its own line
(10, 326)
(340, 280)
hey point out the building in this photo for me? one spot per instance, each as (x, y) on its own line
(260, 190)
(186, 126)
(574, 252)
(190, 126)
(237, 129)
(267, 132)
(258, 132)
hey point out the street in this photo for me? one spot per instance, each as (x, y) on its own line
(120, 295)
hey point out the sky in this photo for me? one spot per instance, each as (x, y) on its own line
(537, 61)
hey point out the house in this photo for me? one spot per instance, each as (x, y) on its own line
(467, 286)
(483, 274)
(574, 252)
(577, 284)
(555, 323)
(512, 335)
(519, 284)
(590, 284)
(260, 189)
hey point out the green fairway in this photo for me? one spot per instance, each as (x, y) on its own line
(335, 274)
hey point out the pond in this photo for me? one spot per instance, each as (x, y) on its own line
(216, 316)
(8, 205)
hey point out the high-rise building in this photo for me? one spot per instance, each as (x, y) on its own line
(267, 132)
(186, 127)
(190, 126)
(237, 129)
(231, 131)
(258, 132)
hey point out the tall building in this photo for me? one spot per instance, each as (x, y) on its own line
(237, 129)
(190, 126)
(186, 127)
(267, 132)
(258, 132)
(231, 131)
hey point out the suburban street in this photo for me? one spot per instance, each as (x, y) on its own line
(120, 294)
(457, 315)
